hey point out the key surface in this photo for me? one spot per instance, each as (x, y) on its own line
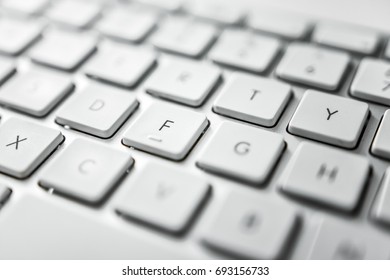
(314, 66)
(372, 81)
(381, 208)
(183, 81)
(86, 170)
(245, 50)
(63, 49)
(120, 64)
(253, 99)
(98, 109)
(242, 152)
(328, 118)
(166, 130)
(251, 227)
(326, 175)
(24, 146)
(164, 197)
(35, 92)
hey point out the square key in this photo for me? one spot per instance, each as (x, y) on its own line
(253, 99)
(242, 152)
(166, 130)
(86, 170)
(164, 197)
(99, 110)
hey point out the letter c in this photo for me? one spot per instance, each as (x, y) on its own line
(242, 148)
(86, 166)
(97, 105)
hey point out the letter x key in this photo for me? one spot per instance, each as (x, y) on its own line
(16, 143)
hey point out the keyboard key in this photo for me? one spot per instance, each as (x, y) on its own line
(253, 99)
(166, 130)
(183, 81)
(184, 36)
(17, 35)
(245, 50)
(129, 25)
(313, 66)
(54, 222)
(381, 143)
(252, 226)
(5, 194)
(282, 24)
(167, 5)
(24, 146)
(63, 49)
(339, 241)
(7, 68)
(120, 64)
(86, 170)
(372, 81)
(331, 119)
(98, 110)
(381, 209)
(30, 7)
(35, 92)
(346, 37)
(242, 152)
(64, 12)
(326, 175)
(164, 197)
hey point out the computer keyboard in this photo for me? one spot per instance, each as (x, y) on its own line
(169, 129)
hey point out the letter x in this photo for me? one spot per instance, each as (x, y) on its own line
(16, 143)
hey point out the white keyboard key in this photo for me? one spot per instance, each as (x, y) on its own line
(5, 194)
(313, 66)
(280, 23)
(252, 226)
(75, 13)
(166, 130)
(326, 175)
(253, 99)
(381, 209)
(167, 5)
(346, 37)
(63, 49)
(164, 197)
(24, 146)
(372, 81)
(86, 171)
(184, 81)
(7, 68)
(245, 50)
(98, 110)
(129, 25)
(184, 36)
(17, 35)
(242, 152)
(120, 64)
(337, 240)
(219, 11)
(381, 143)
(35, 92)
(30, 7)
(328, 118)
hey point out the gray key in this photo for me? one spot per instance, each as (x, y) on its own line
(183, 81)
(86, 171)
(326, 175)
(120, 64)
(252, 226)
(372, 81)
(25, 145)
(328, 118)
(99, 110)
(245, 50)
(5, 194)
(35, 92)
(63, 49)
(164, 197)
(253, 99)
(381, 143)
(242, 152)
(7, 68)
(337, 240)
(166, 130)
(314, 66)
(381, 208)
(72, 233)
